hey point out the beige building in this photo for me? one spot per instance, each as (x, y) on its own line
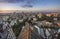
(28, 32)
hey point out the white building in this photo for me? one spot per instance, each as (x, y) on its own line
(8, 32)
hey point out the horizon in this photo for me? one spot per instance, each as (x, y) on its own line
(30, 5)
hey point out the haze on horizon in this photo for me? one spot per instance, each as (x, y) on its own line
(30, 5)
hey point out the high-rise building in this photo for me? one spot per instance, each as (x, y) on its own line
(29, 32)
(6, 32)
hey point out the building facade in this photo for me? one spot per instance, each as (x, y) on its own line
(29, 32)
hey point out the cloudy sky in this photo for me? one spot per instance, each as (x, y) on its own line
(29, 4)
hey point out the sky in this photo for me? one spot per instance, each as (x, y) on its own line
(30, 5)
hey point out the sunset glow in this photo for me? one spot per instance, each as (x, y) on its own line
(33, 5)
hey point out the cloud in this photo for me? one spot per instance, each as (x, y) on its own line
(27, 5)
(14, 1)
